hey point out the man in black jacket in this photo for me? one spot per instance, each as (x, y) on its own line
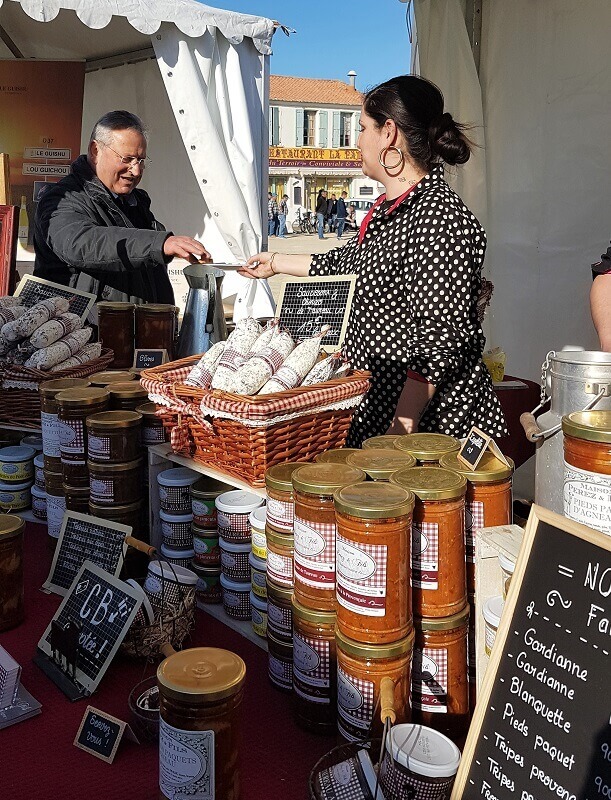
(94, 229)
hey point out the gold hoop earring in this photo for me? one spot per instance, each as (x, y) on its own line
(385, 150)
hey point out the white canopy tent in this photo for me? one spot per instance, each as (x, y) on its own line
(198, 77)
(540, 185)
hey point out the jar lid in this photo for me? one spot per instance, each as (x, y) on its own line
(175, 552)
(318, 617)
(177, 476)
(38, 492)
(156, 308)
(86, 396)
(235, 586)
(113, 512)
(76, 491)
(427, 446)
(127, 390)
(126, 466)
(380, 463)
(19, 452)
(493, 610)
(369, 500)
(113, 306)
(593, 426)
(337, 456)
(208, 488)
(443, 623)
(275, 590)
(33, 440)
(431, 483)
(205, 533)
(114, 419)
(423, 751)
(173, 572)
(260, 564)
(39, 461)
(507, 565)
(238, 502)
(257, 518)
(51, 388)
(234, 547)
(177, 518)
(205, 572)
(279, 476)
(279, 539)
(111, 376)
(148, 410)
(201, 674)
(386, 442)
(10, 526)
(374, 651)
(325, 479)
(489, 468)
(5, 486)
(258, 602)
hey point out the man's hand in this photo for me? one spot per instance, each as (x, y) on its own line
(186, 247)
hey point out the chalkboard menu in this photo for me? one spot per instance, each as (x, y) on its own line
(85, 538)
(145, 359)
(542, 724)
(103, 607)
(100, 734)
(306, 304)
(32, 290)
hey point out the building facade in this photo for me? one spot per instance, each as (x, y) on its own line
(313, 129)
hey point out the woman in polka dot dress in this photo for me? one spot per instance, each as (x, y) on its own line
(418, 257)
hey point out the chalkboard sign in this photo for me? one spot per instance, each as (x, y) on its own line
(85, 538)
(306, 304)
(474, 447)
(145, 359)
(32, 290)
(100, 734)
(104, 607)
(542, 724)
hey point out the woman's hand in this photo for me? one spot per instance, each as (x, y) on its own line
(258, 266)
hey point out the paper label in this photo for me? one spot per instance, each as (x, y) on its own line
(315, 553)
(587, 498)
(361, 577)
(186, 763)
(430, 680)
(99, 446)
(474, 520)
(355, 699)
(425, 555)
(204, 513)
(71, 438)
(280, 514)
(311, 668)
(56, 507)
(280, 569)
(50, 435)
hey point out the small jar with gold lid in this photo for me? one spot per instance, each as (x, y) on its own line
(384, 442)
(200, 692)
(11, 571)
(113, 437)
(280, 509)
(48, 417)
(73, 407)
(116, 331)
(115, 484)
(127, 396)
(315, 530)
(337, 456)
(439, 587)
(379, 464)
(111, 376)
(427, 448)
(373, 561)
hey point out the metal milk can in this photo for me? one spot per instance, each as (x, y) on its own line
(203, 323)
(571, 381)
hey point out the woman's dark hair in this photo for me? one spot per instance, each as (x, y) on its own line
(415, 105)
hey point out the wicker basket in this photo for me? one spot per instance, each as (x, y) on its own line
(20, 403)
(264, 429)
(172, 627)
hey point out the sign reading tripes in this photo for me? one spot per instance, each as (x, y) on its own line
(100, 734)
(542, 724)
(474, 447)
(32, 290)
(145, 359)
(306, 304)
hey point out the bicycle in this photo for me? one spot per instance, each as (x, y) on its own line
(304, 223)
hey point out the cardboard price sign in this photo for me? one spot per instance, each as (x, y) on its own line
(476, 444)
(542, 723)
(145, 359)
(100, 734)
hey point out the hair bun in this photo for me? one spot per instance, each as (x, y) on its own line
(448, 141)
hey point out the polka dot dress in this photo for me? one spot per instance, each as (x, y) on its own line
(419, 269)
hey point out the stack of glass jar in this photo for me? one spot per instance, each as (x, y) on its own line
(16, 477)
(124, 327)
(176, 515)
(205, 536)
(258, 571)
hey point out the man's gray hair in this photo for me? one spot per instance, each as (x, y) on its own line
(113, 121)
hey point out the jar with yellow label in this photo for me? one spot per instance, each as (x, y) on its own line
(314, 669)
(73, 407)
(440, 685)
(386, 442)
(11, 571)
(48, 417)
(200, 693)
(337, 456)
(373, 562)
(315, 531)
(439, 583)
(488, 500)
(113, 437)
(360, 669)
(380, 464)
(280, 509)
(116, 331)
(126, 396)
(427, 448)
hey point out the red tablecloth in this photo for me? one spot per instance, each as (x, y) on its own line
(38, 757)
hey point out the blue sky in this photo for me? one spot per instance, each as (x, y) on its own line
(335, 36)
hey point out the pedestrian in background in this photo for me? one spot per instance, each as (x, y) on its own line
(283, 210)
(332, 212)
(341, 214)
(321, 212)
(272, 214)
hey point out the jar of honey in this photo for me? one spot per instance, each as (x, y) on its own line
(127, 396)
(315, 531)
(116, 331)
(380, 464)
(440, 683)
(280, 509)
(156, 327)
(587, 468)
(360, 669)
(488, 500)
(314, 669)
(113, 437)
(48, 417)
(73, 407)
(119, 484)
(153, 431)
(439, 583)
(280, 551)
(338, 456)
(427, 448)
(11, 571)
(373, 562)
(279, 611)
(200, 693)
(386, 442)
(111, 376)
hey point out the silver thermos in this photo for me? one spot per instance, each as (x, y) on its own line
(203, 323)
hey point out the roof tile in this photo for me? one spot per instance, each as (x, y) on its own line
(313, 90)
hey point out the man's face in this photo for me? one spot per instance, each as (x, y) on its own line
(117, 177)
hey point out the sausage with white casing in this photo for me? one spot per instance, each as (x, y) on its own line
(56, 353)
(35, 317)
(55, 329)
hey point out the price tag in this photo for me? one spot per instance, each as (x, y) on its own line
(145, 359)
(100, 734)
(476, 444)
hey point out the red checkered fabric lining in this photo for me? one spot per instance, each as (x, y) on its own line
(474, 520)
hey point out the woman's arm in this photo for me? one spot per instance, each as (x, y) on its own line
(600, 306)
(264, 265)
(414, 399)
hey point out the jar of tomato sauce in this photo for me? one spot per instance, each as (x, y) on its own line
(373, 562)
(440, 684)
(280, 509)
(439, 584)
(488, 500)
(380, 464)
(360, 669)
(587, 468)
(427, 448)
(315, 530)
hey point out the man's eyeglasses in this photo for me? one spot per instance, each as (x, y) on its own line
(132, 161)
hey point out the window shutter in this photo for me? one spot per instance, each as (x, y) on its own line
(275, 126)
(299, 127)
(336, 121)
(323, 124)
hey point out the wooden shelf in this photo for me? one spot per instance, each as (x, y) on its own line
(28, 516)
